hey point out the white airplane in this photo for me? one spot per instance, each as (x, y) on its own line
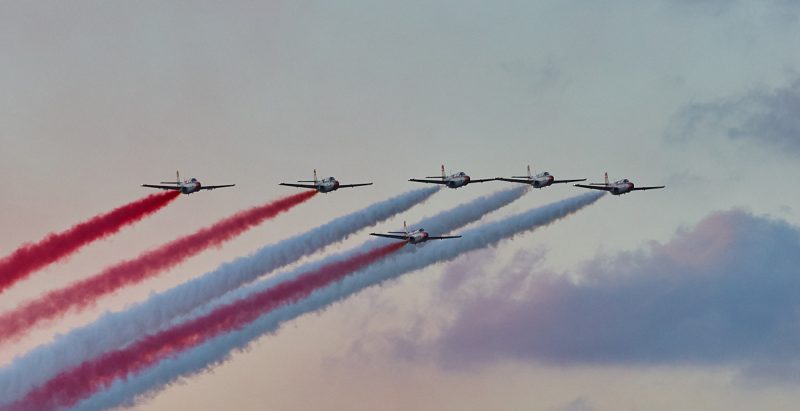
(456, 180)
(618, 187)
(326, 185)
(186, 187)
(540, 180)
(413, 237)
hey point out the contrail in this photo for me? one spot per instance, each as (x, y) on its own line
(114, 330)
(86, 292)
(56, 246)
(218, 350)
(69, 387)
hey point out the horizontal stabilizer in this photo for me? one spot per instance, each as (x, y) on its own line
(161, 187)
(313, 187)
(428, 181)
(396, 237)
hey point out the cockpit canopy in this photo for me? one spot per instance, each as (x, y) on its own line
(194, 180)
(461, 173)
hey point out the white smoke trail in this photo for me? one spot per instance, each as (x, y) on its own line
(218, 350)
(114, 330)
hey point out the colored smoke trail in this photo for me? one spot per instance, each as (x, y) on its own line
(84, 293)
(114, 330)
(217, 350)
(69, 387)
(31, 257)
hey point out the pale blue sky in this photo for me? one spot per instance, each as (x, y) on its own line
(100, 97)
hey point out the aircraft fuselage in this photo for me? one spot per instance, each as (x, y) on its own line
(621, 187)
(190, 186)
(457, 180)
(327, 185)
(419, 236)
(542, 181)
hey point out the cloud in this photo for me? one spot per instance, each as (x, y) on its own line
(726, 291)
(578, 404)
(764, 117)
(786, 10)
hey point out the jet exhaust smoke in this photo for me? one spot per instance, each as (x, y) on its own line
(56, 246)
(217, 350)
(71, 386)
(85, 293)
(114, 330)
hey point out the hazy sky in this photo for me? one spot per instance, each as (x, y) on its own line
(100, 97)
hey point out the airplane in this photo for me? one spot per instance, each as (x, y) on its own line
(326, 185)
(187, 187)
(413, 237)
(540, 180)
(456, 180)
(618, 187)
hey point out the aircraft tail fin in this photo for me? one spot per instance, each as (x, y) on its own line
(177, 179)
(443, 177)
(310, 181)
(529, 176)
(405, 227)
(606, 176)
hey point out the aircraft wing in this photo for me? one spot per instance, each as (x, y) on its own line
(428, 181)
(444, 237)
(162, 187)
(603, 187)
(354, 185)
(514, 180)
(399, 237)
(213, 187)
(482, 180)
(313, 187)
(647, 188)
(568, 181)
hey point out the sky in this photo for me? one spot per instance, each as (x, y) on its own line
(676, 298)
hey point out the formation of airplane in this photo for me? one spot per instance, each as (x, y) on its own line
(540, 180)
(189, 186)
(460, 179)
(326, 185)
(413, 237)
(456, 180)
(618, 187)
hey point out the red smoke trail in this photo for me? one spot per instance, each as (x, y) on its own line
(33, 256)
(71, 386)
(84, 293)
